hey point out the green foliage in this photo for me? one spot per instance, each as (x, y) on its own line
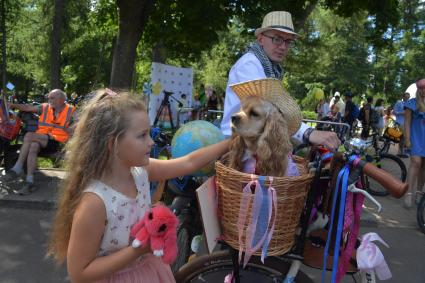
(311, 115)
(368, 47)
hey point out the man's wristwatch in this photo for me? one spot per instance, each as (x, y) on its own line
(306, 135)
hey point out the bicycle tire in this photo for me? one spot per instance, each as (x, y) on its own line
(385, 147)
(420, 214)
(214, 267)
(391, 164)
(183, 244)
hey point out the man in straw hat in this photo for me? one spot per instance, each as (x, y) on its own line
(263, 60)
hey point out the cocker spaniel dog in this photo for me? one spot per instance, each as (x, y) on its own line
(259, 131)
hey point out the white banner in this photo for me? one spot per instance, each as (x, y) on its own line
(173, 79)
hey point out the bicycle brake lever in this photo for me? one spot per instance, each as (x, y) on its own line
(352, 188)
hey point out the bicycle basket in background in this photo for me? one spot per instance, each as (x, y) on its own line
(393, 133)
(9, 123)
(291, 194)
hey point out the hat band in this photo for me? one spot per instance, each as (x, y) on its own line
(281, 27)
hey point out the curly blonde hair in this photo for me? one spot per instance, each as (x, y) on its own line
(104, 117)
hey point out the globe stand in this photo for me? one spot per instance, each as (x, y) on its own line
(166, 103)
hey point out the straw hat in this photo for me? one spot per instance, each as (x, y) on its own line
(271, 90)
(277, 20)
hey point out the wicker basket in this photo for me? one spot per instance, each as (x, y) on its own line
(291, 194)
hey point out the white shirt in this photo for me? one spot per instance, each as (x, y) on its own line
(247, 68)
(325, 109)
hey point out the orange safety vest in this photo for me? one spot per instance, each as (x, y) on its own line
(48, 125)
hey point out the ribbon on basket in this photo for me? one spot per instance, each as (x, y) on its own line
(258, 233)
(342, 176)
(370, 257)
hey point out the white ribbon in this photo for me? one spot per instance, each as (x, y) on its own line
(370, 257)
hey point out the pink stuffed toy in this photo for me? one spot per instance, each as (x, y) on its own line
(159, 226)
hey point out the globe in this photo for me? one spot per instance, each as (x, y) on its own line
(195, 135)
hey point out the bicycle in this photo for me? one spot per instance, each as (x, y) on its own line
(180, 195)
(386, 161)
(214, 267)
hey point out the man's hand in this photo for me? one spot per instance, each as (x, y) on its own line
(325, 138)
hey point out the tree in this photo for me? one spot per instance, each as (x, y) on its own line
(55, 54)
(133, 15)
(194, 24)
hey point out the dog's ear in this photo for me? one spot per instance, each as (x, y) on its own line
(237, 148)
(273, 146)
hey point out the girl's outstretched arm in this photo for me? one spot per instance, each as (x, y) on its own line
(167, 169)
(88, 226)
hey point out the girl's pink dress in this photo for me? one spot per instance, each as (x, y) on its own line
(122, 213)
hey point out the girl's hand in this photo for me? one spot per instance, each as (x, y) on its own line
(144, 249)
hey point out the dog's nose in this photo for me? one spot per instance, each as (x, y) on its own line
(235, 118)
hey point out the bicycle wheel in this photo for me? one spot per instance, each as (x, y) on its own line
(391, 164)
(214, 267)
(385, 146)
(183, 244)
(420, 215)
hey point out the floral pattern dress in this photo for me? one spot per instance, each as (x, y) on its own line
(122, 213)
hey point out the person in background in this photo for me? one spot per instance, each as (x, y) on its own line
(263, 60)
(398, 112)
(338, 100)
(196, 105)
(365, 117)
(379, 108)
(326, 108)
(414, 127)
(54, 128)
(319, 109)
(387, 115)
(183, 110)
(335, 110)
(349, 110)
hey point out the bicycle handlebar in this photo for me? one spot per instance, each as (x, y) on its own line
(394, 186)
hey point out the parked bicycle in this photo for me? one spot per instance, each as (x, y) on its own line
(383, 160)
(286, 268)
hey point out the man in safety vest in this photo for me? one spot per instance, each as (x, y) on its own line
(54, 129)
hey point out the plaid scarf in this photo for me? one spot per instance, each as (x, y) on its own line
(271, 69)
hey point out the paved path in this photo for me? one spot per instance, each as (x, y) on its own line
(25, 222)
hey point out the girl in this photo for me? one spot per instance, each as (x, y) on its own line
(379, 108)
(107, 191)
(414, 136)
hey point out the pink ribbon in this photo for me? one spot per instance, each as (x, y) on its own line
(250, 232)
(370, 257)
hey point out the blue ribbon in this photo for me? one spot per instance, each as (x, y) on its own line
(327, 155)
(262, 222)
(343, 174)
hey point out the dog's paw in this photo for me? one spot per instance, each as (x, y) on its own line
(136, 243)
(158, 253)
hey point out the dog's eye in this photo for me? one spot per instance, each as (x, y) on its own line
(253, 113)
(150, 216)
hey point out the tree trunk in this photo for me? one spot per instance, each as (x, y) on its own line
(55, 55)
(159, 52)
(133, 15)
(300, 22)
(3, 45)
